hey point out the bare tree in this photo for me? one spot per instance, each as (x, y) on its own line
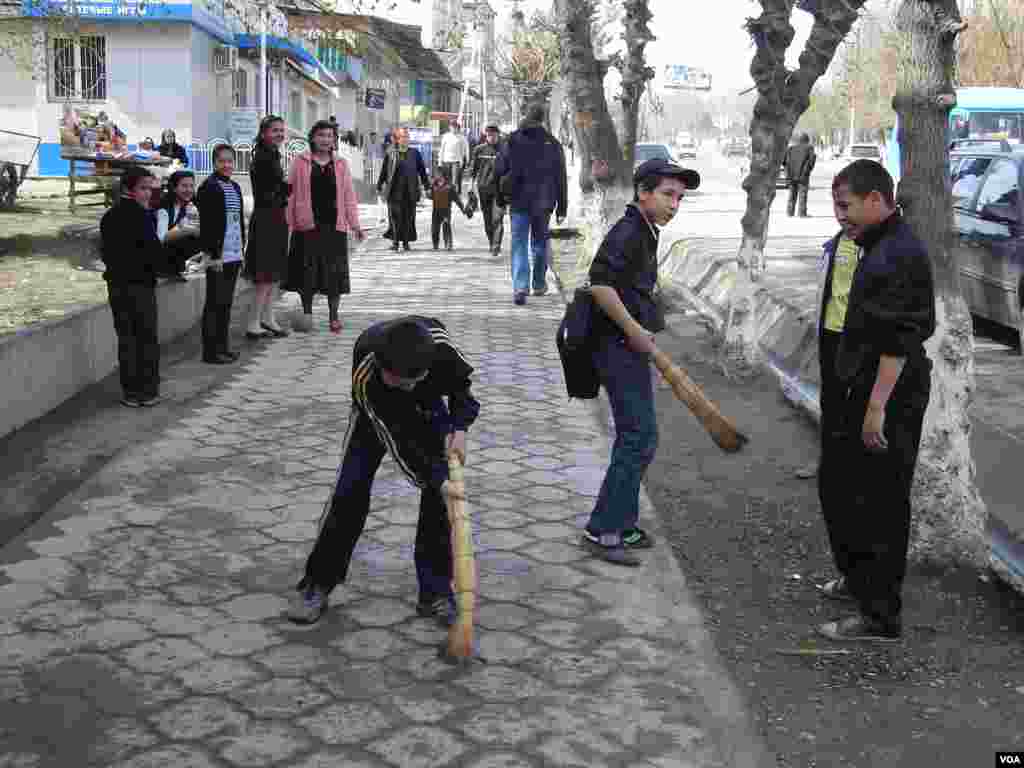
(992, 52)
(951, 514)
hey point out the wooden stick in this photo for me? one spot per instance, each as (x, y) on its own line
(460, 636)
(722, 431)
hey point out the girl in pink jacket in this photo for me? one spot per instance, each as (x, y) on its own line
(322, 210)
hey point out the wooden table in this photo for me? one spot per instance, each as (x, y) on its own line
(103, 183)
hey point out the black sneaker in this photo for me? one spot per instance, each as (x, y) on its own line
(131, 402)
(860, 628)
(609, 547)
(308, 606)
(637, 538)
(519, 298)
(149, 402)
(441, 609)
(836, 589)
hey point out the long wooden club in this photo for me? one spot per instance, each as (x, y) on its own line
(461, 633)
(721, 429)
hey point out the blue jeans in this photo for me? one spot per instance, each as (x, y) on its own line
(626, 377)
(529, 229)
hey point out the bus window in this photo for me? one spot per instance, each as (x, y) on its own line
(995, 125)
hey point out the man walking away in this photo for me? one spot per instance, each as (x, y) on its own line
(532, 181)
(454, 155)
(402, 370)
(485, 157)
(134, 255)
(876, 381)
(622, 278)
(799, 163)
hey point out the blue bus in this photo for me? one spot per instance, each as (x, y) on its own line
(981, 114)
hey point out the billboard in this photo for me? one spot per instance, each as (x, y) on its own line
(679, 77)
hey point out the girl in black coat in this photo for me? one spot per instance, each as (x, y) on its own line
(266, 259)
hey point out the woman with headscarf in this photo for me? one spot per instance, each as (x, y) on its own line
(169, 147)
(322, 209)
(400, 174)
(266, 255)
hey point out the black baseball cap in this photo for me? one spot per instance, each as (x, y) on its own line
(659, 166)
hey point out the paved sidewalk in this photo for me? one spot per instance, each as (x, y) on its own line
(142, 621)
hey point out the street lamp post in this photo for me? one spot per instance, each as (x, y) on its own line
(264, 90)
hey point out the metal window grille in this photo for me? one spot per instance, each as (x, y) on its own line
(80, 68)
(240, 87)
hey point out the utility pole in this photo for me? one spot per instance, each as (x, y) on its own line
(265, 90)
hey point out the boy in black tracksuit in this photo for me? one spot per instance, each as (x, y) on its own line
(876, 382)
(402, 370)
(134, 256)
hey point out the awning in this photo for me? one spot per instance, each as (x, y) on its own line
(299, 70)
(289, 49)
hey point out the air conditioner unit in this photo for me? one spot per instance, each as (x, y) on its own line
(225, 58)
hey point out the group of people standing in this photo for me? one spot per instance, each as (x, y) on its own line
(295, 239)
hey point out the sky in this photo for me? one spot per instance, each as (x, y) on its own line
(716, 43)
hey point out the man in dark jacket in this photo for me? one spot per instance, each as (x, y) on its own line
(485, 157)
(799, 163)
(532, 180)
(876, 381)
(134, 256)
(622, 279)
(402, 370)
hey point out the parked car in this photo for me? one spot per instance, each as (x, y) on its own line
(988, 215)
(997, 145)
(687, 149)
(735, 148)
(645, 152)
(862, 152)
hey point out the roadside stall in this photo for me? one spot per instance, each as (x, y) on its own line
(88, 140)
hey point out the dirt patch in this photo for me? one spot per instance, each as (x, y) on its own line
(749, 537)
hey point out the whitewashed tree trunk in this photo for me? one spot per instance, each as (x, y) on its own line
(783, 96)
(950, 516)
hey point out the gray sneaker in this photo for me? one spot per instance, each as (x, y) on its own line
(610, 548)
(308, 606)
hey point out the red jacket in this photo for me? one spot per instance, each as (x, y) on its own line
(300, 204)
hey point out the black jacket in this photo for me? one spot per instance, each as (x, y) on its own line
(891, 307)
(213, 217)
(398, 172)
(628, 262)
(534, 162)
(266, 174)
(799, 163)
(129, 245)
(413, 424)
(485, 157)
(175, 152)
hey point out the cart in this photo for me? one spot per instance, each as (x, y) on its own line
(107, 169)
(17, 151)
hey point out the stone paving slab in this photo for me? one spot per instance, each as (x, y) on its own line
(141, 623)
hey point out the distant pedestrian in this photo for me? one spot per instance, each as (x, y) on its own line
(399, 183)
(485, 181)
(799, 162)
(266, 258)
(443, 194)
(222, 235)
(177, 223)
(877, 309)
(532, 180)
(454, 154)
(402, 370)
(169, 147)
(626, 317)
(322, 210)
(133, 257)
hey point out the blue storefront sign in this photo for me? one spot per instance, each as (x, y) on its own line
(205, 14)
(375, 98)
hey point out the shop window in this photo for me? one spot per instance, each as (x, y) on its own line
(240, 88)
(78, 68)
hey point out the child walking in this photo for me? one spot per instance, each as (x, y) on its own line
(443, 194)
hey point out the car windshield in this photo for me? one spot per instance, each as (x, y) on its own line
(645, 152)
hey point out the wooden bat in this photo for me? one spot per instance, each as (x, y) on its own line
(460, 636)
(722, 431)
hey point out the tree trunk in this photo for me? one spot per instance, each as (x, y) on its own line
(951, 516)
(635, 74)
(783, 96)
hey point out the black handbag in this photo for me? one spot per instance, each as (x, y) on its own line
(575, 346)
